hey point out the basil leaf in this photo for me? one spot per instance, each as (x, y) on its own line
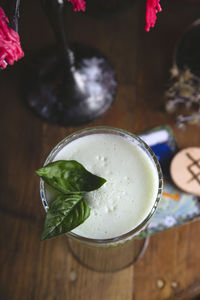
(64, 214)
(69, 177)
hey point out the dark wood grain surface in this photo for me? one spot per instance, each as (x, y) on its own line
(35, 270)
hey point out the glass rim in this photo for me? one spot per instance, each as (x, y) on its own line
(107, 129)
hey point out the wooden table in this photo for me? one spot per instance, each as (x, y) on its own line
(31, 269)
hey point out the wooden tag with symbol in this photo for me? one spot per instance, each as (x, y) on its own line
(185, 170)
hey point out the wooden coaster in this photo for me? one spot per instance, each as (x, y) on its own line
(185, 170)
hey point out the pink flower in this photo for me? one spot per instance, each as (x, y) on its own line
(78, 5)
(152, 8)
(10, 48)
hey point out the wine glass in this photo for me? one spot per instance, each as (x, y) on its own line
(70, 84)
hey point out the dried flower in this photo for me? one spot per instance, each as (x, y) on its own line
(184, 91)
(174, 71)
(170, 106)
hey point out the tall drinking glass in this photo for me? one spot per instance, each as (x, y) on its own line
(109, 254)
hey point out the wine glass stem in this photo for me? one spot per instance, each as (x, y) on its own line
(55, 13)
(13, 13)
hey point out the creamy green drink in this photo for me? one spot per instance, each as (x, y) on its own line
(128, 197)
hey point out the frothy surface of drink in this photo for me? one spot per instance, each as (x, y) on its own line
(129, 194)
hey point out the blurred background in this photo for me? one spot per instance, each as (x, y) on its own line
(31, 269)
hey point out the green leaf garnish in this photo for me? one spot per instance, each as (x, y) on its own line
(69, 177)
(69, 209)
(64, 214)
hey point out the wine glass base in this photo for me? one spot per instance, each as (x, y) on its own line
(71, 102)
(108, 259)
